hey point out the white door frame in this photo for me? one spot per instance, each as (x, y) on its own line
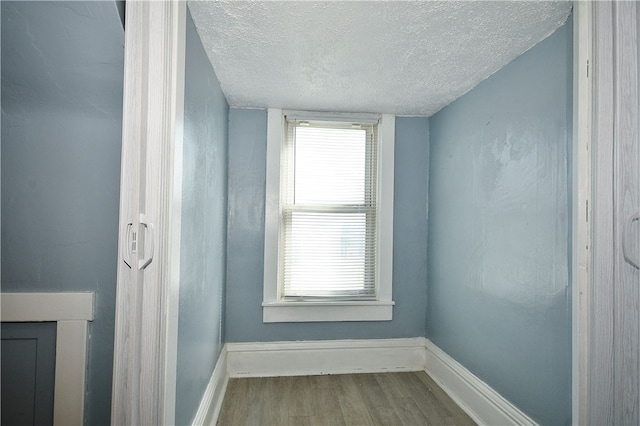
(581, 205)
(146, 324)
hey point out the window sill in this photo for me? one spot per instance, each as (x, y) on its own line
(327, 311)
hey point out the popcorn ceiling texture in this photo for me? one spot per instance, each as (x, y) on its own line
(407, 58)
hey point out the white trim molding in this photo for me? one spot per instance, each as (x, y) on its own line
(37, 307)
(269, 359)
(71, 312)
(324, 357)
(314, 311)
(211, 402)
(274, 308)
(481, 402)
(582, 206)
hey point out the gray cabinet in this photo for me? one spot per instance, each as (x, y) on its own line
(28, 370)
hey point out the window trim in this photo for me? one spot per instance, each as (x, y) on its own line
(277, 310)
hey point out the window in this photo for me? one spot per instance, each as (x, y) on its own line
(329, 210)
(329, 217)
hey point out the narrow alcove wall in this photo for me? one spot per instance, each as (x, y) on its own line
(499, 295)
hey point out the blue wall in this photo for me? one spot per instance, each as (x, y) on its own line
(62, 72)
(247, 165)
(204, 228)
(498, 289)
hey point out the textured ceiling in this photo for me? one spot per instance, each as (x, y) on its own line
(408, 58)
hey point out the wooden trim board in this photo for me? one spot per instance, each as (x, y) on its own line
(582, 205)
(211, 402)
(36, 307)
(481, 402)
(72, 312)
(70, 376)
(324, 357)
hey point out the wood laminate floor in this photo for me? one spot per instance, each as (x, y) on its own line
(344, 399)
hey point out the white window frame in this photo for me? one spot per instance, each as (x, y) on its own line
(275, 309)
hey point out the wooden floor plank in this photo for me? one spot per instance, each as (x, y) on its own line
(230, 401)
(300, 421)
(377, 402)
(299, 399)
(328, 410)
(352, 406)
(443, 400)
(400, 397)
(322, 382)
(347, 399)
(274, 397)
(254, 399)
(424, 399)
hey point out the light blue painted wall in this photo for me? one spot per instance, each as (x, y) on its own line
(498, 289)
(204, 228)
(62, 72)
(247, 162)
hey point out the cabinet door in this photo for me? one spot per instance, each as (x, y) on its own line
(28, 371)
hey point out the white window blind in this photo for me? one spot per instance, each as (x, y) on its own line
(329, 211)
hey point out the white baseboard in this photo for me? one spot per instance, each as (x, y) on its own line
(483, 404)
(325, 357)
(209, 409)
